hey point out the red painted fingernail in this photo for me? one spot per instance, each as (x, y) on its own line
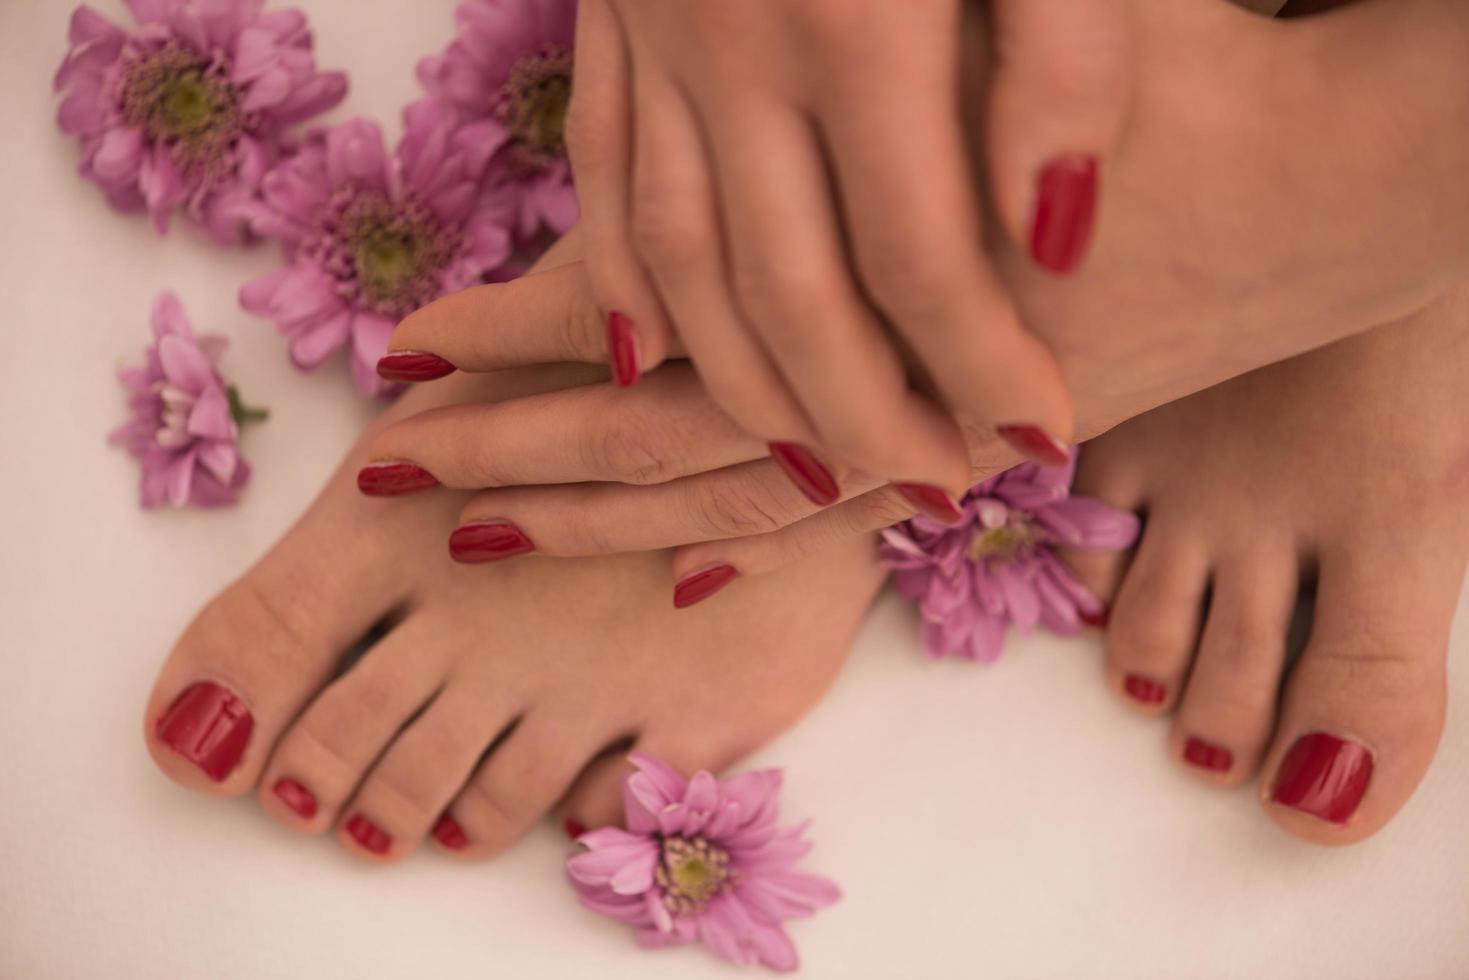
(372, 837)
(1096, 620)
(1144, 690)
(296, 796)
(448, 832)
(806, 472)
(700, 585)
(488, 541)
(1324, 776)
(410, 365)
(931, 502)
(1207, 755)
(573, 828)
(622, 346)
(1065, 209)
(209, 726)
(1035, 444)
(393, 479)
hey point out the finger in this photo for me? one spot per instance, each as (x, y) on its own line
(599, 124)
(928, 272)
(1062, 81)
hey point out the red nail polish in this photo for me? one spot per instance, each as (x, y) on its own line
(1324, 776)
(1035, 444)
(209, 726)
(622, 346)
(393, 479)
(1144, 690)
(488, 541)
(573, 828)
(372, 837)
(1065, 209)
(296, 796)
(1096, 620)
(700, 585)
(807, 473)
(413, 366)
(1207, 755)
(448, 832)
(931, 502)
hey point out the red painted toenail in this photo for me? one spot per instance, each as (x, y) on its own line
(488, 541)
(372, 837)
(700, 585)
(1324, 776)
(932, 502)
(1035, 444)
(413, 366)
(573, 827)
(296, 796)
(807, 473)
(1065, 208)
(1096, 620)
(622, 348)
(1145, 690)
(209, 726)
(448, 832)
(1206, 755)
(393, 479)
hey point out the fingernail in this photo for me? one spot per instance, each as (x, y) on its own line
(1065, 208)
(410, 365)
(622, 345)
(448, 832)
(700, 585)
(209, 726)
(1207, 755)
(1096, 620)
(488, 541)
(393, 479)
(573, 828)
(1143, 689)
(296, 796)
(372, 837)
(806, 472)
(1324, 776)
(931, 502)
(1035, 444)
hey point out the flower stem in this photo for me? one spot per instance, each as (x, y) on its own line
(243, 414)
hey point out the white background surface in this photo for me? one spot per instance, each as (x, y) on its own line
(1009, 822)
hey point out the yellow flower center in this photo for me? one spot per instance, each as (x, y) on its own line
(690, 873)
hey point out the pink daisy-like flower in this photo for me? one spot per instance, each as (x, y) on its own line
(702, 860)
(999, 565)
(511, 65)
(185, 421)
(370, 238)
(191, 107)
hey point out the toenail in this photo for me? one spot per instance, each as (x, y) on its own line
(1142, 689)
(208, 725)
(1324, 776)
(372, 837)
(407, 365)
(1207, 755)
(296, 796)
(1096, 620)
(448, 832)
(700, 585)
(488, 541)
(574, 828)
(394, 479)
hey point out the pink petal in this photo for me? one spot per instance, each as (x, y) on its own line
(318, 342)
(119, 156)
(210, 417)
(184, 364)
(220, 459)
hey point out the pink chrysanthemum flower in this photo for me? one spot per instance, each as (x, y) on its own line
(191, 108)
(370, 238)
(999, 566)
(511, 65)
(185, 421)
(702, 860)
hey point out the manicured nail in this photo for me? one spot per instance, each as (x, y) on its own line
(806, 472)
(573, 828)
(1065, 208)
(296, 796)
(1143, 689)
(1324, 776)
(700, 585)
(1035, 444)
(931, 502)
(408, 365)
(1096, 620)
(1207, 755)
(488, 541)
(209, 726)
(448, 832)
(393, 479)
(622, 346)
(372, 837)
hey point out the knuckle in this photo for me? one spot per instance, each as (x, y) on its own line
(664, 233)
(739, 506)
(901, 278)
(627, 447)
(872, 511)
